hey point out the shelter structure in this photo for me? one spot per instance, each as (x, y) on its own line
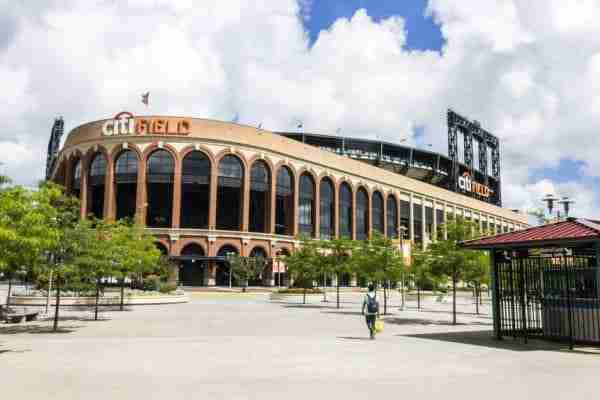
(546, 280)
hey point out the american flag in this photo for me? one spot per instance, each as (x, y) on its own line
(146, 98)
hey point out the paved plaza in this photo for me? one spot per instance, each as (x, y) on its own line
(245, 346)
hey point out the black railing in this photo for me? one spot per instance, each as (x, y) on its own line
(549, 297)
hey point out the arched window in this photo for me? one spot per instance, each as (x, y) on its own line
(96, 187)
(159, 180)
(191, 271)
(362, 214)
(284, 207)
(195, 190)
(126, 170)
(76, 182)
(377, 212)
(392, 217)
(345, 211)
(326, 209)
(306, 206)
(229, 193)
(260, 197)
(264, 275)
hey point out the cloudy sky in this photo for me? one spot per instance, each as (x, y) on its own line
(528, 70)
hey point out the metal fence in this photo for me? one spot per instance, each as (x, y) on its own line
(548, 297)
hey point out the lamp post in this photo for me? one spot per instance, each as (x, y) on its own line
(228, 257)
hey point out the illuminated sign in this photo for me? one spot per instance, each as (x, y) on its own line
(467, 184)
(124, 123)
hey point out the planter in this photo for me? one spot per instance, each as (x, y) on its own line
(103, 301)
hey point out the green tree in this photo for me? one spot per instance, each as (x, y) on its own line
(244, 269)
(134, 255)
(301, 265)
(478, 273)
(337, 255)
(380, 261)
(448, 259)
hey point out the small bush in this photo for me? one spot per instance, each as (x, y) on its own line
(152, 282)
(299, 291)
(167, 288)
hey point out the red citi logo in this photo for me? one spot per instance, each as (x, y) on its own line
(467, 184)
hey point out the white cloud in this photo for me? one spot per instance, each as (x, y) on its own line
(528, 70)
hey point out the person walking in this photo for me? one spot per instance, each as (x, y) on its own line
(372, 310)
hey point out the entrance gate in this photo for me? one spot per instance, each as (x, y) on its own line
(548, 297)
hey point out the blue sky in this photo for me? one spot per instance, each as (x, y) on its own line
(423, 33)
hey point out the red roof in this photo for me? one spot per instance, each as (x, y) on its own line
(565, 231)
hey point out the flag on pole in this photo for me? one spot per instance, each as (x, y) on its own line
(146, 98)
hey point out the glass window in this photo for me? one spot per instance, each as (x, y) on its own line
(284, 199)
(405, 219)
(160, 167)
(195, 168)
(126, 167)
(377, 213)
(392, 217)
(306, 206)
(362, 214)
(345, 211)
(326, 209)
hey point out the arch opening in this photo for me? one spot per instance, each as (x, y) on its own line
(96, 186)
(229, 193)
(362, 214)
(345, 211)
(192, 271)
(260, 197)
(306, 205)
(195, 190)
(76, 179)
(378, 212)
(392, 217)
(126, 171)
(284, 213)
(326, 209)
(159, 186)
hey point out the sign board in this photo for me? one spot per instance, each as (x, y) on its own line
(125, 124)
(467, 184)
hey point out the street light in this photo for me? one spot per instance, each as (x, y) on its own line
(229, 257)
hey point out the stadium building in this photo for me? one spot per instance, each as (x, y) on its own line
(208, 188)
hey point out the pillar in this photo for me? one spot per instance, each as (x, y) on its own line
(273, 203)
(141, 204)
(69, 175)
(495, 297)
(399, 217)
(445, 220)
(353, 280)
(434, 225)
(423, 225)
(411, 222)
(212, 208)
(317, 210)
(176, 210)
(109, 211)
(296, 200)
(385, 220)
(84, 188)
(245, 223)
(210, 274)
(353, 216)
(369, 213)
(336, 210)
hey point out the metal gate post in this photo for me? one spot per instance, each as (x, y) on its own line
(495, 295)
(566, 271)
(522, 297)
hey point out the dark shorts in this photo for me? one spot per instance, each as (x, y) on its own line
(370, 319)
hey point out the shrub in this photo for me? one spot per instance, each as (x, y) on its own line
(299, 291)
(152, 282)
(167, 287)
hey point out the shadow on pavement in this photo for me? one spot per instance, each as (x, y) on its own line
(304, 306)
(424, 321)
(34, 329)
(353, 338)
(486, 339)
(343, 312)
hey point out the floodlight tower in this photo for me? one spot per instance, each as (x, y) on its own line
(566, 203)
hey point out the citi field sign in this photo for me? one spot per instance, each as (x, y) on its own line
(467, 184)
(125, 124)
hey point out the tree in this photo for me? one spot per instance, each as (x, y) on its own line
(134, 254)
(478, 273)
(338, 260)
(448, 259)
(244, 269)
(380, 261)
(301, 265)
